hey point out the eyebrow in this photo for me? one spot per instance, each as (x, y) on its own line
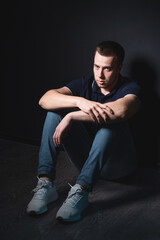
(108, 67)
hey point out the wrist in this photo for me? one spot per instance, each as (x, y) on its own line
(78, 100)
(69, 117)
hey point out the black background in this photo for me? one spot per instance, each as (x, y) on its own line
(48, 43)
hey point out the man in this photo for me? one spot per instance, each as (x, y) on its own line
(88, 118)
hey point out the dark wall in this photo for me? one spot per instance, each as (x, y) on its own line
(48, 43)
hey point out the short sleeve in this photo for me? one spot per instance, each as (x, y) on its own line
(131, 87)
(75, 87)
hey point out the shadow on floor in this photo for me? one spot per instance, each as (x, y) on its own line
(127, 209)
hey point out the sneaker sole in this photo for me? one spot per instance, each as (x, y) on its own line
(34, 213)
(60, 219)
(73, 219)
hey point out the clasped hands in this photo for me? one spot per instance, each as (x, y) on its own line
(98, 112)
(90, 110)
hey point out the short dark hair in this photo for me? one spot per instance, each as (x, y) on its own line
(109, 48)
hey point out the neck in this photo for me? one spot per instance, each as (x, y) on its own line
(110, 88)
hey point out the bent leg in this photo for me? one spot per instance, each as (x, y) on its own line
(123, 160)
(77, 144)
(48, 152)
(112, 155)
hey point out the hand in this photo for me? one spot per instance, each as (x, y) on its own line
(61, 130)
(97, 111)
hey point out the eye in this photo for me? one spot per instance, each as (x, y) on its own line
(96, 66)
(108, 69)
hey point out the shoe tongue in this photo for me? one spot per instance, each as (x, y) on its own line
(43, 181)
(75, 188)
(77, 185)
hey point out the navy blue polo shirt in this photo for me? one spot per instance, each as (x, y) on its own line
(87, 87)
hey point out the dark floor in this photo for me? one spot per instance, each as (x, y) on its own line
(122, 210)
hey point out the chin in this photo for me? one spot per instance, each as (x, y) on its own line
(101, 85)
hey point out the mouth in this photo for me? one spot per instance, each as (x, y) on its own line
(100, 82)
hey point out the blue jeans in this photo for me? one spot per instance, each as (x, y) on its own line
(109, 152)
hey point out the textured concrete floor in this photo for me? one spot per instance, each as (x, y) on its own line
(119, 210)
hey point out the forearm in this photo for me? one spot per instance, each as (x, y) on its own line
(65, 124)
(84, 117)
(124, 108)
(79, 116)
(53, 100)
(62, 98)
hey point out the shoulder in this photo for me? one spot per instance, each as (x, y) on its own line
(129, 86)
(78, 85)
(128, 82)
(82, 80)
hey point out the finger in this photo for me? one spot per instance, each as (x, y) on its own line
(55, 139)
(58, 140)
(100, 119)
(92, 115)
(106, 107)
(98, 113)
(104, 116)
(109, 109)
(101, 114)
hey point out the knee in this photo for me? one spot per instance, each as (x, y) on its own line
(51, 121)
(104, 133)
(112, 131)
(52, 116)
(106, 138)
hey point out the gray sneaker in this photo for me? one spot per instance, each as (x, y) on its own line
(73, 206)
(44, 193)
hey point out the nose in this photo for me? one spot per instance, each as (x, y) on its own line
(100, 73)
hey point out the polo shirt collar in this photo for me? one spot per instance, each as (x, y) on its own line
(96, 89)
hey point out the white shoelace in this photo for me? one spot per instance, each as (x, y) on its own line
(70, 195)
(40, 185)
(70, 185)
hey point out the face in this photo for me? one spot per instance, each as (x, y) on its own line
(106, 71)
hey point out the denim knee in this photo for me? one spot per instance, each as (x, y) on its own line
(53, 116)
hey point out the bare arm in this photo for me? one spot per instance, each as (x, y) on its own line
(57, 99)
(124, 108)
(62, 98)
